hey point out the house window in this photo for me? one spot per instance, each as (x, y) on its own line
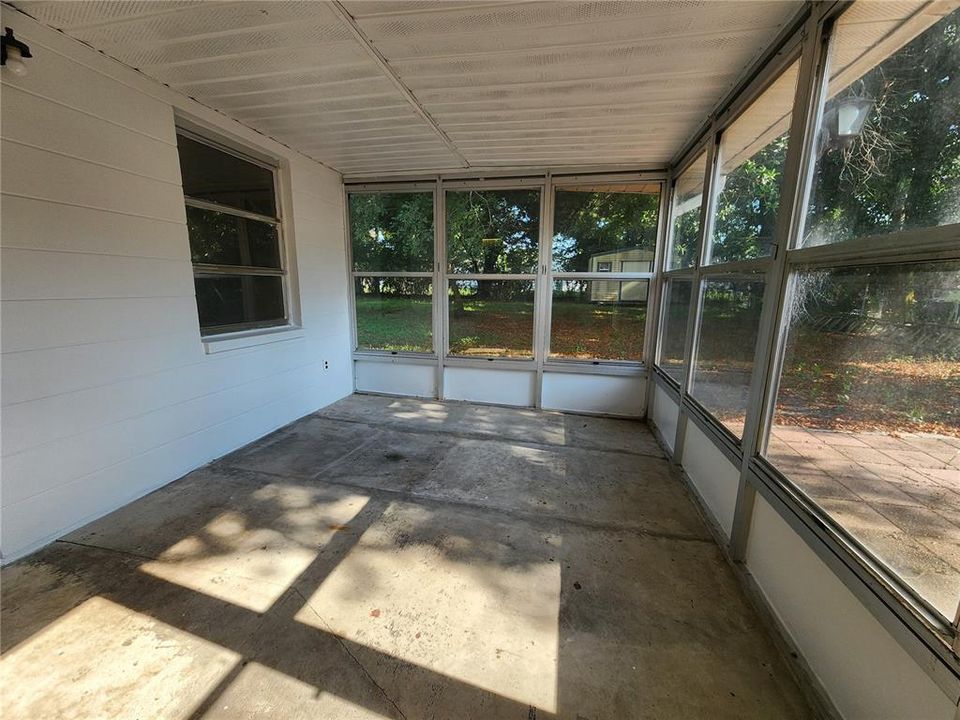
(604, 266)
(235, 238)
(391, 243)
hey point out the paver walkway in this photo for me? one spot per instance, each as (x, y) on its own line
(899, 495)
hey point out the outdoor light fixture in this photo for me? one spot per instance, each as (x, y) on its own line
(12, 53)
(844, 122)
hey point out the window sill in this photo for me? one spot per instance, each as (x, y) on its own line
(595, 367)
(249, 338)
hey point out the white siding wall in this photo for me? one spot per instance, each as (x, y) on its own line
(865, 672)
(107, 392)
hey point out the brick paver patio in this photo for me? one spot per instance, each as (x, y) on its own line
(899, 495)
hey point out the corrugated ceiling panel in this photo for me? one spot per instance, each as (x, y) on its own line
(76, 15)
(518, 83)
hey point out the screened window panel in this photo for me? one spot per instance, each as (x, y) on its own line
(687, 200)
(491, 318)
(598, 319)
(753, 150)
(889, 141)
(729, 324)
(392, 232)
(601, 228)
(394, 314)
(677, 296)
(867, 419)
(493, 231)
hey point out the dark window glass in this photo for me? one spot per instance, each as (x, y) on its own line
(728, 339)
(867, 419)
(392, 232)
(493, 231)
(675, 314)
(218, 176)
(491, 318)
(597, 229)
(222, 239)
(598, 319)
(224, 300)
(394, 313)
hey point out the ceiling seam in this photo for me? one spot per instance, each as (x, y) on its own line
(407, 93)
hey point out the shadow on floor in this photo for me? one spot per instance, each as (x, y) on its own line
(344, 568)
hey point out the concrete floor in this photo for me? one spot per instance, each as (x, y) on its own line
(398, 559)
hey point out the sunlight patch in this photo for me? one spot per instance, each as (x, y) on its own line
(142, 667)
(454, 599)
(250, 561)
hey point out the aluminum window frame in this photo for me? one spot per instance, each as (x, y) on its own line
(212, 332)
(535, 361)
(929, 637)
(541, 363)
(358, 353)
(588, 366)
(936, 243)
(699, 150)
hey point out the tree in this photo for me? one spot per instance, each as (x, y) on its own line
(590, 222)
(392, 231)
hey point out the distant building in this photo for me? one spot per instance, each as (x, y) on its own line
(624, 260)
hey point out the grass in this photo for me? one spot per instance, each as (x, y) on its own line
(841, 382)
(493, 328)
(588, 331)
(399, 324)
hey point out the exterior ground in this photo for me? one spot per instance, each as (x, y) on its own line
(400, 559)
(897, 493)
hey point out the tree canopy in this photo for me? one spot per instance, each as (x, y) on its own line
(587, 223)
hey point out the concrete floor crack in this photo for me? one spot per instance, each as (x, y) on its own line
(353, 657)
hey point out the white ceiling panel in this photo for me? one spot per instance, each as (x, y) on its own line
(404, 86)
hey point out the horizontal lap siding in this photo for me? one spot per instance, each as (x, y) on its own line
(106, 390)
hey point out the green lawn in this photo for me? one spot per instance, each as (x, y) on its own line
(495, 328)
(400, 324)
(588, 331)
(492, 328)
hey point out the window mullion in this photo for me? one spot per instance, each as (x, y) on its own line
(773, 323)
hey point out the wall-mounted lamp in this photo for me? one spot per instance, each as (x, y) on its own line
(844, 122)
(12, 53)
